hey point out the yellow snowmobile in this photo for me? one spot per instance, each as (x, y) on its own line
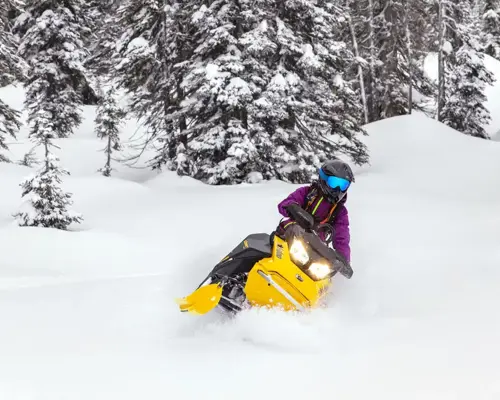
(292, 271)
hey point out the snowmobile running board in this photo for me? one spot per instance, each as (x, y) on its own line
(280, 289)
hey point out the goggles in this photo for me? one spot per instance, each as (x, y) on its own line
(334, 182)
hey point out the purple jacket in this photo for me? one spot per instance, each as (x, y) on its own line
(342, 236)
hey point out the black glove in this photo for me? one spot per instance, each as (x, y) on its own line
(299, 215)
(292, 209)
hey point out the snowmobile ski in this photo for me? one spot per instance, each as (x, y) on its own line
(202, 300)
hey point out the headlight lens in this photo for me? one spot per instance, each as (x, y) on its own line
(319, 270)
(298, 252)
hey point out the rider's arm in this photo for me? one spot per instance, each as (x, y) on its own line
(341, 240)
(299, 197)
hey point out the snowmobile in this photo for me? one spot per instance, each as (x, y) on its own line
(289, 271)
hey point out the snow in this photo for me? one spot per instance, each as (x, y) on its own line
(447, 47)
(138, 43)
(90, 313)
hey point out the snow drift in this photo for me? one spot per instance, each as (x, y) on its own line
(90, 314)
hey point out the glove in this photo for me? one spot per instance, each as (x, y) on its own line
(291, 208)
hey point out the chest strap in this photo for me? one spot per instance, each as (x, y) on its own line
(314, 209)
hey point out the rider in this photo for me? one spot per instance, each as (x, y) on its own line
(325, 199)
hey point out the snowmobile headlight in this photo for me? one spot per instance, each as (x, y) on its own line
(298, 252)
(320, 270)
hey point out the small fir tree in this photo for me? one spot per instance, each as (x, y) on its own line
(47, 205)
(107, 127)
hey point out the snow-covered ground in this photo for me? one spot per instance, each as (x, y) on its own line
(90, 314)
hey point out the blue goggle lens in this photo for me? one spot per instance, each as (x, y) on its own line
(334, 182)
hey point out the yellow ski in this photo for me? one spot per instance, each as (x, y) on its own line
(202, 300)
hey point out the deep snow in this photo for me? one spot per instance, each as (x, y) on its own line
(90, 314)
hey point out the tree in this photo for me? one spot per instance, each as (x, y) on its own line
(463, 76)
(264, 92)
(51, 42)
(46, 204)
(100, 41)
(9, 125)
(392, 38)
(107, 124)
(11, 68)
(148, 66)
(106, 30)
(491, 28)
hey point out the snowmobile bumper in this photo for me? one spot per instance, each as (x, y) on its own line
(274, 284)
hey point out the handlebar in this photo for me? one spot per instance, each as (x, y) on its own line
(306, 222)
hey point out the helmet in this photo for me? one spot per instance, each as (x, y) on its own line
(335, 177)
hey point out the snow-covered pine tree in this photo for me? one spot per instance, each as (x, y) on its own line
(265, 94)
(66, 45)
(491, 27)
(392, 37)
(11, 68)
(106, 31)
(107, 126)
(46, 204)
(51, 42)
(148, 66)
(463, 75)
(9, 125)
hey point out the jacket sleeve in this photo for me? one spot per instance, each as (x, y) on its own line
(342, 238)
(299, 197)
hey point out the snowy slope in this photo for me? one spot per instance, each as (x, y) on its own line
(90, 314)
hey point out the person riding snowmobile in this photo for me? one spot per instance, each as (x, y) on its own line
(325, 199)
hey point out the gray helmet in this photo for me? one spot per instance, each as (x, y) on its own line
(335, 177)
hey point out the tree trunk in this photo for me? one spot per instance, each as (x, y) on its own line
(409, 55)
(441, 67)
(372, 74)
(360, 71)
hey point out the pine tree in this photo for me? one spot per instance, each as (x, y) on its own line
(463, 75)
(491, 28)
(65, 31)
(9, 125)
(392, 38)
(51, 42)
(11, 68)
(107, 124)
(29, 159)
(46, 204)
(148, 65)
(106, 30)
(265, 92)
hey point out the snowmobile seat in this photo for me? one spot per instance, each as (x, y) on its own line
(259, 242)
(241, 259)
